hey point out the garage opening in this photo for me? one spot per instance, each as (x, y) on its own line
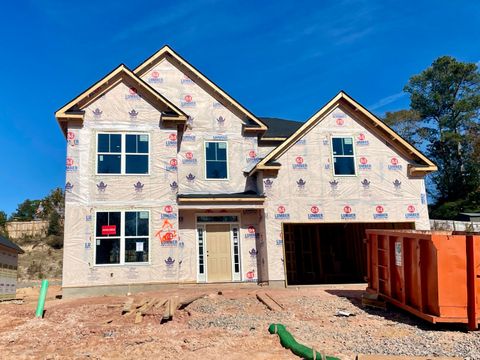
(328, 253)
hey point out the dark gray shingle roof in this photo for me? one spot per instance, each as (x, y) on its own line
(7, 243)
(280, 127)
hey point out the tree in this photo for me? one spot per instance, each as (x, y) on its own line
(444, 113)
(53, 202)
(3, 223)
(54, 226)
(26, 211)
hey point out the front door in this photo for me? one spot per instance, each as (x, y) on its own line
(219, 256)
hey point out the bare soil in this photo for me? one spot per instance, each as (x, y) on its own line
(232, 324)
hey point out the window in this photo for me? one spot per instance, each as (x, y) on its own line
(343, 156)
(217, 218)
(201, 259)
(216, 160)
(116, 243)
(109, 153)
(236, 252)
(114, 158)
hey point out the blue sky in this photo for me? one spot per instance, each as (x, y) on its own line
(278, 58)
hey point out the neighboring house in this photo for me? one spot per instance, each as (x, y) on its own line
(473, 217)
(170, 180)
(8, 268)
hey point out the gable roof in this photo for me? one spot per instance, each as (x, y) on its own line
(279, 128)
(167, 53)
(73, 109)
(11, 245)
(422, 163)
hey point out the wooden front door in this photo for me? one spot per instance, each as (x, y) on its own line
(219, 256)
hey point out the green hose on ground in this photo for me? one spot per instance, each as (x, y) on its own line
(289, 342)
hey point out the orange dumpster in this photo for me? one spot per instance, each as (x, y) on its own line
(434, 275)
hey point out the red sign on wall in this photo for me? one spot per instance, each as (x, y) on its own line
(109, 229)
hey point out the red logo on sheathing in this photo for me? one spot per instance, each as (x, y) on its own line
(314, 209)
(189, 155)
(173, 162)
(132, 90)
(251, 229)
(188, 98)
(347, 209)
(379, 209)
(363, 160)
(70, 135)
(168, 208)
(361, 137)
(281, 209)
(109, 229)
(69, 161)
(299, 160)
(411, 208)
(340, 121)
(155, 74)
(394, 161)
(251, 274)
(172, 137)
(252, 154)
(168, 236)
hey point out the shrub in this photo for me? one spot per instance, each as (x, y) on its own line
(55, 241)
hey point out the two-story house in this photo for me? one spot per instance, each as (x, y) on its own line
(169, 180)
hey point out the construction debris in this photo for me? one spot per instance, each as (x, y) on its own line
(156, 306)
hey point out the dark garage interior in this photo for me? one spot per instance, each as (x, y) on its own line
(332, 253)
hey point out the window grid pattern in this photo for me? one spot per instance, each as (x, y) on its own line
(121, 237)
(343, 156)
(120, 154)
(216, 166)
(236, 251)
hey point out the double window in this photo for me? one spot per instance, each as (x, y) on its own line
(343, 156)
(121, 237)
(122, 153)
(216, 164)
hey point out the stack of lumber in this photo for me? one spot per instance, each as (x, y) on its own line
(165, 306)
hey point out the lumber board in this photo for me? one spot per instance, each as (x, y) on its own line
(127, 307)
(268, 302)
(274, 300)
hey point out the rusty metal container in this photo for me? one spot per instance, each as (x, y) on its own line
(433, 275)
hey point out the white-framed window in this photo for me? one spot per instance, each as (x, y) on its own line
(343, 156)
(122, 237)
(123, 153)
(216, 160)
(201, 253)
(235, 252)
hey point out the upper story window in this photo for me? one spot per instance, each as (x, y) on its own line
(216, 164)
(343, 156)
(122, 153)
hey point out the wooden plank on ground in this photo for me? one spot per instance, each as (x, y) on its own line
(268, 302)
(166, 313)
(128, 306)
(274, 300)
(138, 317)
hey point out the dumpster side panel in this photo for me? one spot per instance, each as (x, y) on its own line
(452, 275)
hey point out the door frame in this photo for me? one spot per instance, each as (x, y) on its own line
(236, 276)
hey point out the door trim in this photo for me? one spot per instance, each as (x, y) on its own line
(203, 278)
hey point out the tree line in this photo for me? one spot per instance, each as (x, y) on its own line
(50, 208)
(443, 120)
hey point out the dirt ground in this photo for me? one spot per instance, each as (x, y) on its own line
(230, 325)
